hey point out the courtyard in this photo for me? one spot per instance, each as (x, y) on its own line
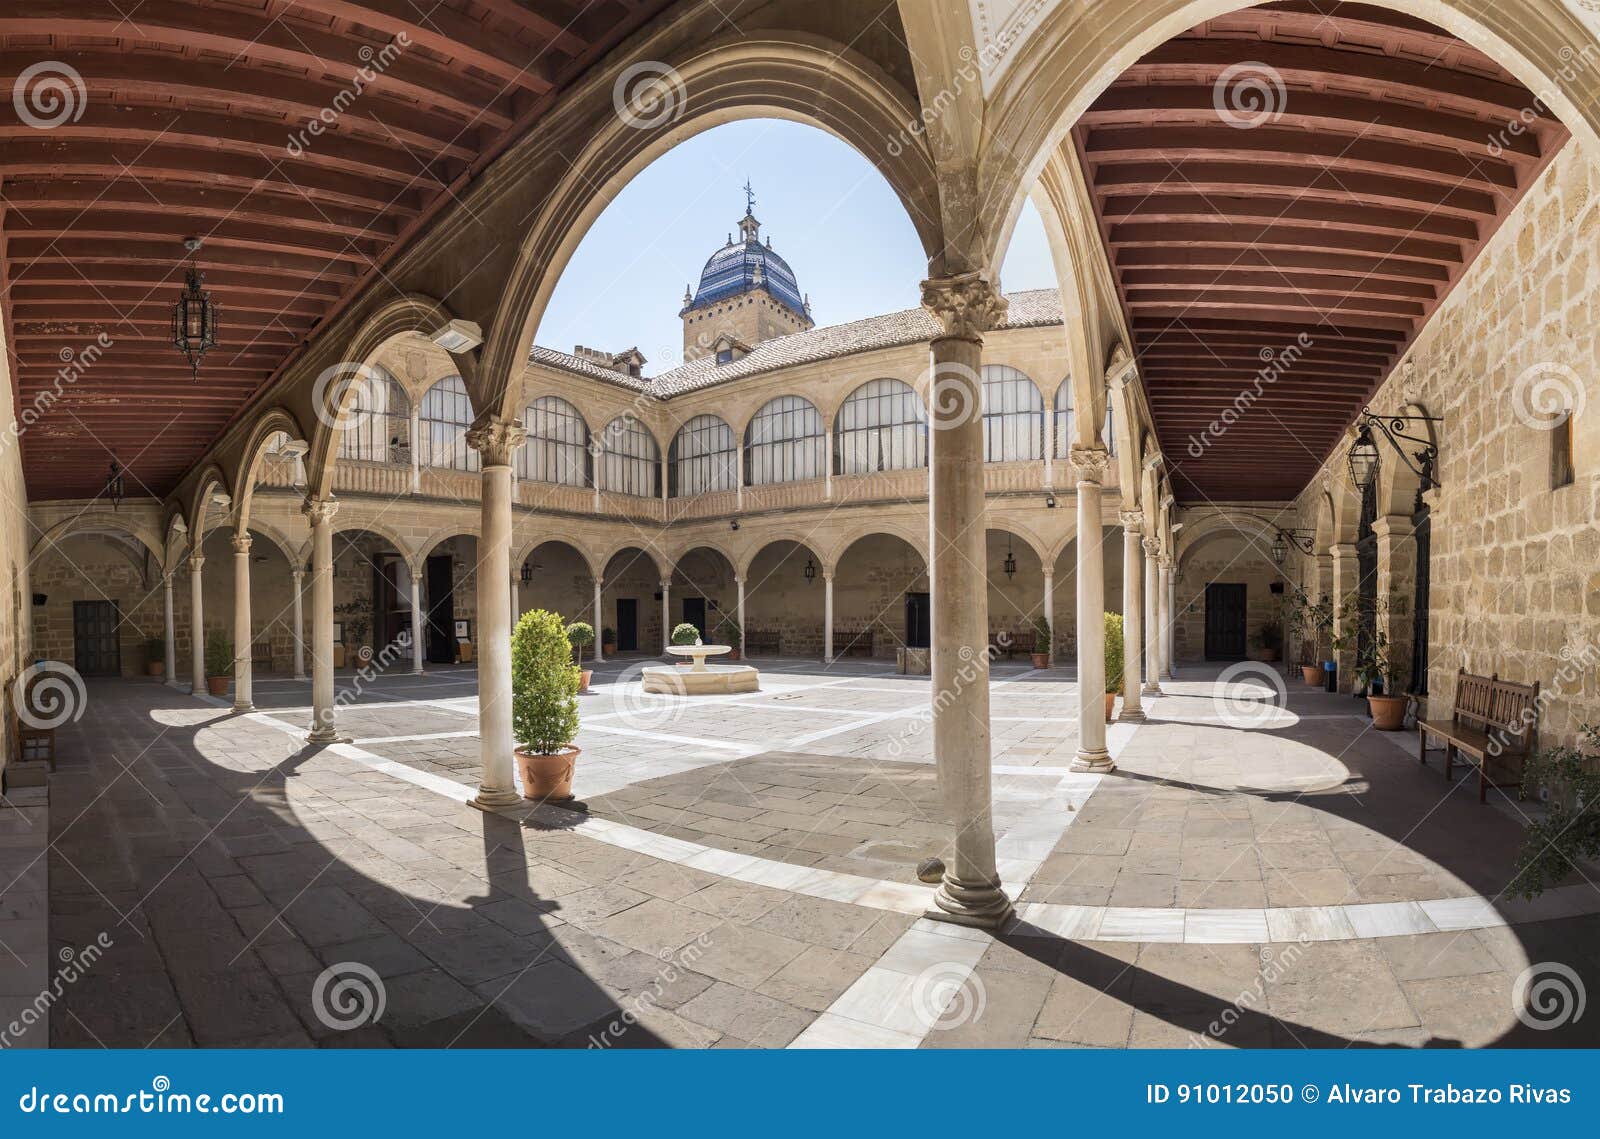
(1254, 873)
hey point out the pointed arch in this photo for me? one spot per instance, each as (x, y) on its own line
(272, 421)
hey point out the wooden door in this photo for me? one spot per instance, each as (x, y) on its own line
(96, 646)
(1225, 617)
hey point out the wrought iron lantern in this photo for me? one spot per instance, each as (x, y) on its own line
(1304, 541)
(1010, 564)
(527, 572)
(810, 570)
(1363, 458)
(194, 315)
(1280, 549)
(115, 486)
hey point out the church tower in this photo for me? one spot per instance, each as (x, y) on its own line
(747, 294)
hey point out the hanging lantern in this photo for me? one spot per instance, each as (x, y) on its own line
(1010, 564)
(194, 316)
(1280, 549)
(114, 485)
(810, 570)
(1363, 459)
(527, 573)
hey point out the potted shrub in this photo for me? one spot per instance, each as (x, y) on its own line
(219, 662)
(731, 635)
(544, 705)
(1041, 642)
(685, 634)
(1567, 779)
(608, 641)
(1375, 673)
(1115, 660)
(155, 657)
(580, 634)
(1317, 623)
(1267, 641)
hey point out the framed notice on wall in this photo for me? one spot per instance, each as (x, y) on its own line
(463, 629)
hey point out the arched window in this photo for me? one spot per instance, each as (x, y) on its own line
(376, 426)
(443, 419)
(784, 442)
(881, 427)
(1064, 423)
(630, 461)
(704, 457)
(1013, 416)
(557, 449)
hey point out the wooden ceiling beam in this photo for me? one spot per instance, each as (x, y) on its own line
(172, 228)
(1210, 300)
(1310, 239)
(1232, 279)
(1321, 261)
(1344, 217)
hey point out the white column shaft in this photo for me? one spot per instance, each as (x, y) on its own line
(1152, 621)
(497, 786)
(299, 624)
(599, 614)
(666, 615)
(1132, 622)
(1091, 608)
(169, 631)
(1049, 648)
(740, 614)
(827, 617)
(197, 622)
(243, 634)
(323, 727)
(416, 621)
(1165, 640)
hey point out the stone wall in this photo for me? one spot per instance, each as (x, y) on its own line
(1224, 559)
(16, 650)
(92, 569)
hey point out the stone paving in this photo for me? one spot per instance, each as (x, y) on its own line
(237, 872)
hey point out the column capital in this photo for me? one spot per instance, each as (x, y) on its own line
(319, 511)
(1166, 561)
(197, 562)
(1151, 547)
(241, 543)
(298, 573)
(1048, 571)
(1091, 464)
(966, 305)
(496, 439)
(1131, 520)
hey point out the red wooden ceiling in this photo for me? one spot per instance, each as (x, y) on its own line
(185, 127)
(1345, 212)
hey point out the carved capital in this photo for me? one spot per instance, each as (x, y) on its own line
(496, 439)
(319, 511)
(966, 305)
(1091, 464)
(1166, 562)
(197, 562)
(1131, 520)
(241, 543)
(1151, 547)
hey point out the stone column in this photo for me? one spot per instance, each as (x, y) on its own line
(319, 513)
(496, 441)
(827, 459)
(739, 581)
(1397, 590)
(299, 576)
(1091, 464)
(1132, 616)
(827, 617)
(1346, 576)
(599, 613)
(243, 689)
(1165, 641)
(1152, 619)
(169, 631)
(416, 619)
(1050, 613)
(965, 306)
(738, 479)
(197, 622)
(666, 614)
(416, 452)
(516, 599)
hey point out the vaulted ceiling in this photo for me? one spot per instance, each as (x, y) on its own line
(147, 123)
(1304, 176)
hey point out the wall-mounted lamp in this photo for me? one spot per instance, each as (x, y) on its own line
(458, 336)
(810, 570)
(1303, 541)
(733, 524)
(527, 573)
(1049, 502)
(1362, 461)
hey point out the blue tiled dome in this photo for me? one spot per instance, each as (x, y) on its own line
(744, 265)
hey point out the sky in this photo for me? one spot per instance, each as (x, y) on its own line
(829, 212)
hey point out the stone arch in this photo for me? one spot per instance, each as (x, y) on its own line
(268, 424)
(1076, 51)
(466, 528)
(689, 545)
(1004, 523)
(768, 537)
(791, 76)
(295, 553)
(405, 315)
(1258, 531)
(1398, 484)
(581, 547)
(211, 478)
(99, 522)
(645, 548)
(916, 540)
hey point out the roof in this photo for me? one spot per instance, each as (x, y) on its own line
(1035, 308)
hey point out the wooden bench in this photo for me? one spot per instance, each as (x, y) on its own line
(1490, 719)
(758, 642)
(1010, 642)
(852, 642)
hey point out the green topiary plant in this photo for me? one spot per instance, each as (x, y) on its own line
(1041, 634)
(544, 684)
(581, 635)
(1570, 829)
(219, 654)
(155, 650)
(1115, 658)
(685, 634)
(728, 629)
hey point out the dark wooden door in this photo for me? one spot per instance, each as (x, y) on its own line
(96, 646)
(694, 612)
(627, 624)
(441, 609)
(1225, 621)
(918, 631)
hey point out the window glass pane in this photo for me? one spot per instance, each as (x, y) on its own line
(881, 427)
(376, 427)
(784, 442)
(1013, 416)
(704, 457)
(630, 461)
(444, 415)
(557, 449)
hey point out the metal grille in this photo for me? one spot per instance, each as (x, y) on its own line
(376, 426)
(881, 427)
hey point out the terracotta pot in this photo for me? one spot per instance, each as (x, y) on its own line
(364, 654)
(217, 685)
(1311, 674)
(547, 778)
(583, 680)
(1264, 654)
(608, 648)
(733, 654)
(1040, 660)
(1111, 703)
(155, 668)
(1388, 712)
